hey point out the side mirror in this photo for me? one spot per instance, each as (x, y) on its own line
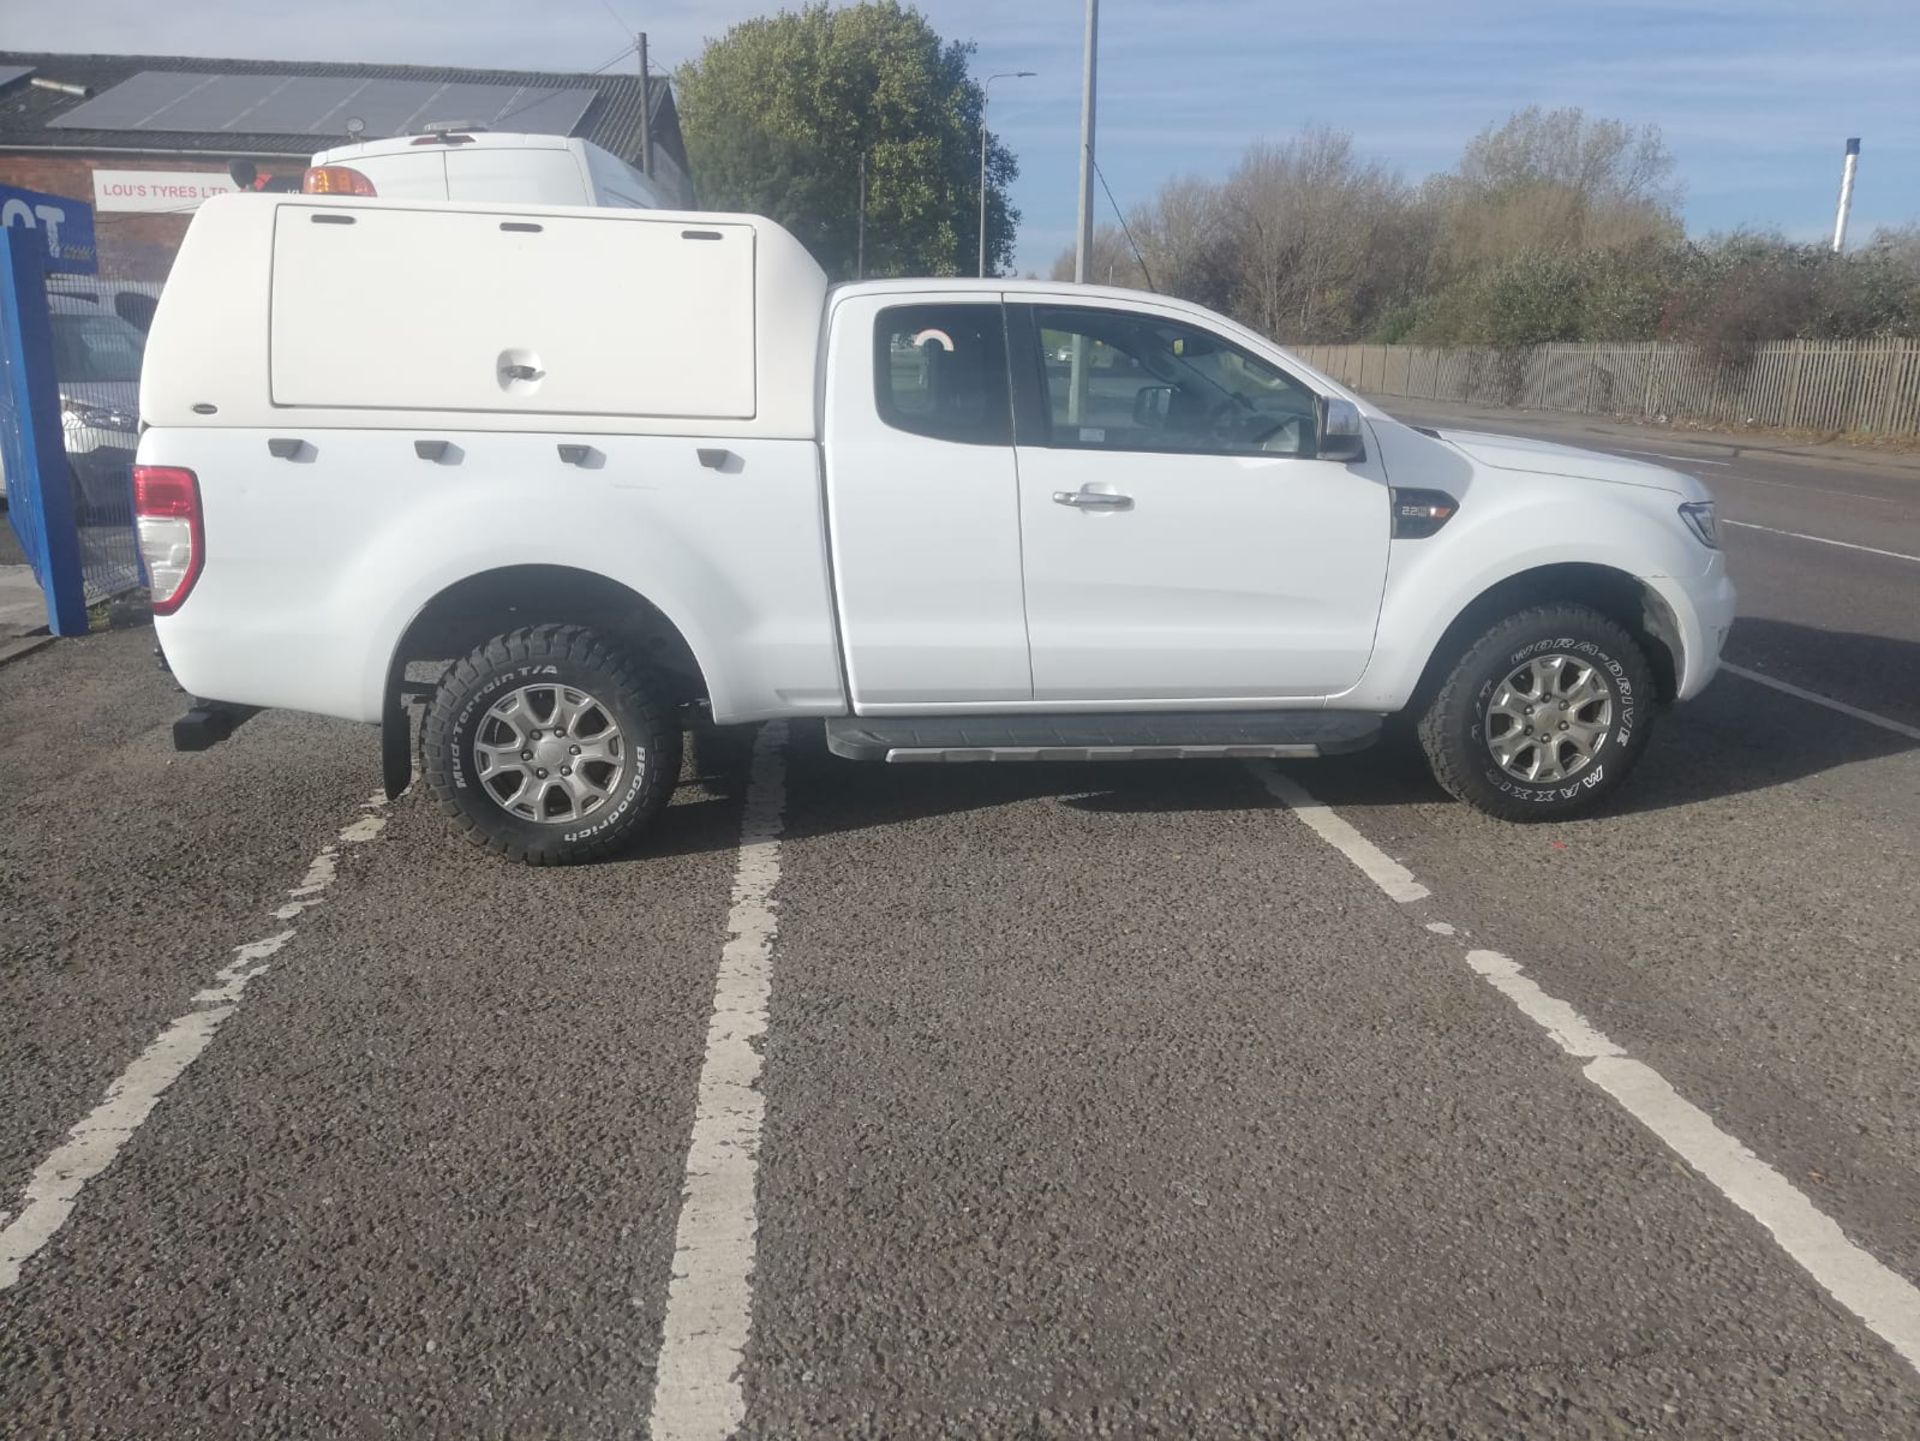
(1151, 404)
(1342, 435)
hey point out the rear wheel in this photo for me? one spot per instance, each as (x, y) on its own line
(550, 746)
(1542, 716)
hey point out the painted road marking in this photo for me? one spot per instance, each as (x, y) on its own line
(1899, 728)
(1688, 459)
(697, 1391)
(1886, 1302)
(54, 1189)
(1811, 489)
(1385, 872)
(1822, 540)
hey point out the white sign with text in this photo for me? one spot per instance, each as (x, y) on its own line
(157, 190)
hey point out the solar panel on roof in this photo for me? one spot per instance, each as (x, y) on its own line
(554, 112)
(11, 73)
(462, 102)
(320, 105)
(127, 104)
(295, 105)
(389, 106)
(210, 105)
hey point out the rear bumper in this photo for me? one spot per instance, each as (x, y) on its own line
(246, 658)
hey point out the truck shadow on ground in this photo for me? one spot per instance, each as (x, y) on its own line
(1738, 737)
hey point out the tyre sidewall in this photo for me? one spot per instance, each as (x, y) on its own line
(1505, 651)
(468, 709)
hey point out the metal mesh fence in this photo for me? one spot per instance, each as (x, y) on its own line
(100, 328)
(1853, 387)
(98, 331)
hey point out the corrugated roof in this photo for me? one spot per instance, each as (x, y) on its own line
(612, 121)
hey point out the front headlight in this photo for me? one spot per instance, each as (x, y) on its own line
(1698, 515)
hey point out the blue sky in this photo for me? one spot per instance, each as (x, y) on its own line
(1756, 97)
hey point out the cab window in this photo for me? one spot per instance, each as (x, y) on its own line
(1119, 381)
(941, 371)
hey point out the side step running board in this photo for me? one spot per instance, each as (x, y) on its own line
(1146, 736)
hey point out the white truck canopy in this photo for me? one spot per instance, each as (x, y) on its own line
(355, 313)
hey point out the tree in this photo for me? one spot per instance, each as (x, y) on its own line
(1111, 262)
(1553, 227)
(1899, 248)
(1555, 180)
(1312, 225)
(778, 112)
(1186, 235)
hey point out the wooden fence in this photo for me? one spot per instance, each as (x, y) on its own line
(1862, 387)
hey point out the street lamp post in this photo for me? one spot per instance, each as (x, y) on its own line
(1083, 249)
(986, 90)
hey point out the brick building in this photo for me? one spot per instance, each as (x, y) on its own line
(89, 127)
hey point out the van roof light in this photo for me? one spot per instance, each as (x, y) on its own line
(452, 133)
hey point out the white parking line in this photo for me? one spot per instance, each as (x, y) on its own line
(1899, 728)
(54, 1189)
(1886, 1302)
(697, 1392)
(1384, 871)
(1821, 540)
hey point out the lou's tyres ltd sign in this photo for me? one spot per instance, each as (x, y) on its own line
(157, 191)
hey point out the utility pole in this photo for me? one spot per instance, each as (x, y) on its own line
(646, 112)
(1083, 252)
(1083, 255)
(1846, 194)
(986, 92)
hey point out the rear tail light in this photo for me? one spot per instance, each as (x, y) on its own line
(173, 541)
(336, 180)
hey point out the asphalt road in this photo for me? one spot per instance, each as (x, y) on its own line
(1097, 1101)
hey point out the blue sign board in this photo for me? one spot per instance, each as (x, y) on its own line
(66, 224)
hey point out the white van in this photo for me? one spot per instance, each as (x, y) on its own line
(478, 165)
(626, 469)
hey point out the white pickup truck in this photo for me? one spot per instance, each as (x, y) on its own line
(624, 468)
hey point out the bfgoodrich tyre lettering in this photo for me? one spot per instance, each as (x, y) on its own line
(527, 688)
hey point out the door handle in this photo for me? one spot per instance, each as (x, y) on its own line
(1093, 499)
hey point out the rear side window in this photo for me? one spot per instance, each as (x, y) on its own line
(941, 371)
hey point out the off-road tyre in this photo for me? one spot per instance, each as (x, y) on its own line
(1455, 726)
(558, 655)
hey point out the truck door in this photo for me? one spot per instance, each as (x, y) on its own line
(923, 503)
(1182, 542)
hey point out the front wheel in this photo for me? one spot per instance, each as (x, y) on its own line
(550, 746)
(1542, 716)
